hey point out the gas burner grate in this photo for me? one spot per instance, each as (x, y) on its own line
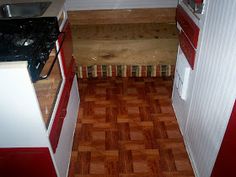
(29, 39)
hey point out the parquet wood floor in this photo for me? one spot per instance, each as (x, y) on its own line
(127, 128)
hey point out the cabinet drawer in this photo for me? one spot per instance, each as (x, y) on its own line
(187, 49)
(187, 25)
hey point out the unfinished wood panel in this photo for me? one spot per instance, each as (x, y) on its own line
(126, 127)
(155, 15)
(125, 31)
(144, 44)
(47, 89)
(130, 52)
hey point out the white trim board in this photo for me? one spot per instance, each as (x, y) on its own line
(119, 4)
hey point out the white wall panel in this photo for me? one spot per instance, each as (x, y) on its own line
(119, 4)
(181, 107)
(214, 89)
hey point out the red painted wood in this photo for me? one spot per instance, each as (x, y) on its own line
(188, 26)
(67, 48)
(198, 1)
(26, 162)
(226, 159)
(187, 49)
(62, 108)
(99, 71)
(68, 67)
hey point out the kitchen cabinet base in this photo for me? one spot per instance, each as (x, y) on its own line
(63, 151)
(36, 162)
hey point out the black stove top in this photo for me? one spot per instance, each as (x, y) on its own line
(28, 39)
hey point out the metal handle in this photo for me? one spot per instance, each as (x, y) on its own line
(55, 59)
(7, 10)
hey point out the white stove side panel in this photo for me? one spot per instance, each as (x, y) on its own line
(21, 123)
(63, 152)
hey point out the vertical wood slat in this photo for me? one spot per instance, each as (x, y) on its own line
(214, 91)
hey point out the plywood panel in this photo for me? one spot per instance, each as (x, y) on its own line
(153, 15)
(146, 44)
(130, 52)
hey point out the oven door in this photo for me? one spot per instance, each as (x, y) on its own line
(49, 88)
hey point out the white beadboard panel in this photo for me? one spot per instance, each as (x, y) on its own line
(119, 4)
(181, 107)
(214, 89)
(63, 152)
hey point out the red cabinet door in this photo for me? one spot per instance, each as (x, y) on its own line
(68, 67)
(188, 26)
(62, 109)
(26, 162)
(187, 49)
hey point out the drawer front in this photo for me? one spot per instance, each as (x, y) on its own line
(187, 25)
(187, 49)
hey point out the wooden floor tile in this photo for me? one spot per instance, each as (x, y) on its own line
(127, 128)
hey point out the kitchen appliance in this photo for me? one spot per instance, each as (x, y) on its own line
(35, 40)
(38, 118)
(28, 39)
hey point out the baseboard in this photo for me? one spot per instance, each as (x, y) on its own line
(106, 71)
(122, 16)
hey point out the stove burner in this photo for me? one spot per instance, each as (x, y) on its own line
(23, 42)
(28, 39)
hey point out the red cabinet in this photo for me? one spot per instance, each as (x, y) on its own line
(188, 26)
(188, 36)
(69, 71)
(187, 49)
(62, 109)
(26, 162)
(67, 48)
